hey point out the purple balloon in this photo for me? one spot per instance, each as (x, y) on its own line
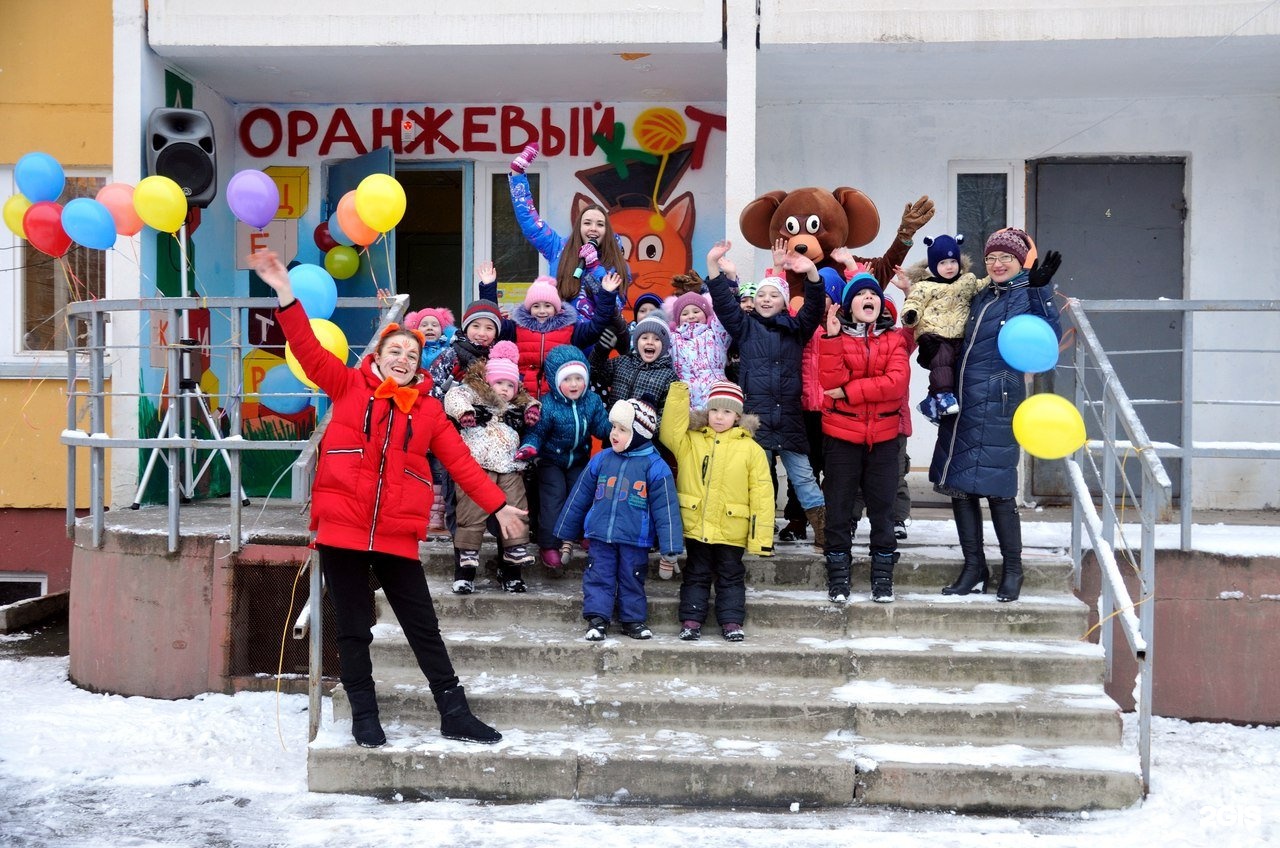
(253, 198)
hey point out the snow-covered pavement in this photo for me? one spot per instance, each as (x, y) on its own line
(79, 769)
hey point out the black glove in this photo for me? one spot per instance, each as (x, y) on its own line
(514, 418)
(483, 416)
(1041, 273)
(607, 340)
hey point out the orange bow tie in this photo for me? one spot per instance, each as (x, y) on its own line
(404, 396)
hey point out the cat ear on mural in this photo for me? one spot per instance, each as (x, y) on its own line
(680, 215)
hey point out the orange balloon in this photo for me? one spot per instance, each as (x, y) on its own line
(351, 222)
(118, 198)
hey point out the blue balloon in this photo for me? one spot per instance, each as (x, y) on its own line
(89, 223)
(336, 233)
(1028, 343)
(276, 387)
(39, 177)
(315, 288)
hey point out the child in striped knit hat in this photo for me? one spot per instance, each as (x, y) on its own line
(625, 503)
(726, 504)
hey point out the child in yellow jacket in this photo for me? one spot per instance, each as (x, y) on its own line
(726, 503)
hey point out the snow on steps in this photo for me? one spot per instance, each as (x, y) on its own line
(931, 702)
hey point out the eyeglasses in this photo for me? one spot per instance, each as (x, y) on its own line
(1002, 258)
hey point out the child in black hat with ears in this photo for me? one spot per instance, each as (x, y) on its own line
(937, 308)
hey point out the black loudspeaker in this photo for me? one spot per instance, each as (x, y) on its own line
(180, 146)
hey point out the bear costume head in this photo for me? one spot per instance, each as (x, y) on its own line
(811, 221)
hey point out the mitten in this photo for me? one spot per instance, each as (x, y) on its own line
(909, 317)
(532, 415)
(467, 420)
(483, 416)
(589, 255)
(524, 158)
(526, 453)
(1041, 273)
(915, 216)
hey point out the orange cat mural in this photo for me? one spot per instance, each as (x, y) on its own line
(657, 240)
(657, 245)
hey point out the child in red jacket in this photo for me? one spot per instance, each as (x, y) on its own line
(864, 373)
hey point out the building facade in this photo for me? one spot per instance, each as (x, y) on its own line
(1135, 137)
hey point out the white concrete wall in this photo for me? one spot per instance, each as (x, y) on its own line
(393, 23)
(896, 154)
(941, 21)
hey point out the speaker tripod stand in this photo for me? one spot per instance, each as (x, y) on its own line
(179, 418)
(179, 422)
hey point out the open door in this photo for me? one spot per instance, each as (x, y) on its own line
(377, 262)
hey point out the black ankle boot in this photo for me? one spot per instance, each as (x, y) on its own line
(975, 574)
(794, 531)
(457, 721)
(838, 566)
(1004, 517)
(365, 727)
(882, 563)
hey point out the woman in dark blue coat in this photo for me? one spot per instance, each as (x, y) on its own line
(976, 455)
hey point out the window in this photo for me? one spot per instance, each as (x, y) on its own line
(49, 284)
(515, 258)
(985, 198)
(19, 586)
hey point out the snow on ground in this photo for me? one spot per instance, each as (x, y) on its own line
(79, 769)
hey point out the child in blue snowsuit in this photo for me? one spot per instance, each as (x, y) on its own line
(561, 441)
(625, 502)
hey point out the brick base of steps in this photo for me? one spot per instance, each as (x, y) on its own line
(932, 702)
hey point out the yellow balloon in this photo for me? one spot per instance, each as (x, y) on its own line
(14, 208)
(331, 338)
(380, 202)
(1048, 426)
(160, 203)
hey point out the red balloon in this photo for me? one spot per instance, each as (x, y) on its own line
(324, 241)
(43, 226)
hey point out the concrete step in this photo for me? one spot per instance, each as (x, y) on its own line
(764, 655)
(794, 710)
(999, 779)
(798, 610)
(797, 566)
(690, 768)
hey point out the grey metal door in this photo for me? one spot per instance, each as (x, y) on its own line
(1118, 222)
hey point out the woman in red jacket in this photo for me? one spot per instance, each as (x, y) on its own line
(864, 372)
(371, 501)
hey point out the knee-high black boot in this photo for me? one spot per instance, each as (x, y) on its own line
(1004, 516)
(975, 575)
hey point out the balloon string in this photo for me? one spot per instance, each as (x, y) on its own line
(386, 254)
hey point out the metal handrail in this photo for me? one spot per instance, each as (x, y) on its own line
(1113, 408)
(1190, 449)
(95, 314)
